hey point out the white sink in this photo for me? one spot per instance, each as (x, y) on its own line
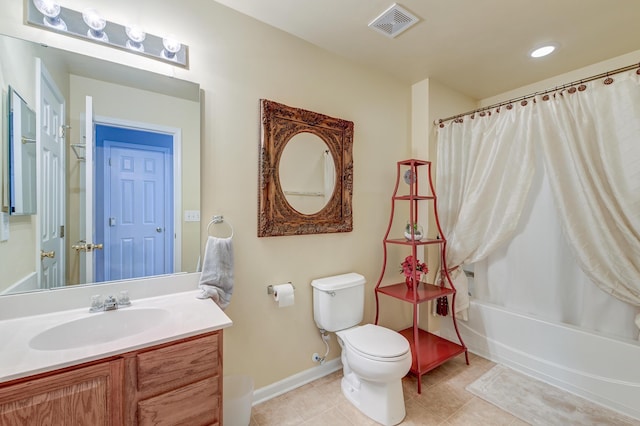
(97, 328)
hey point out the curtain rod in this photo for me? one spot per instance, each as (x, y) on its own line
(441, 121)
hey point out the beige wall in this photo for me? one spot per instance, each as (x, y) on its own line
(238, 61)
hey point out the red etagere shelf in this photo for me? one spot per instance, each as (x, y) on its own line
(428, 350)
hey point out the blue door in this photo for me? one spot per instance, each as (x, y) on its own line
(134, 203)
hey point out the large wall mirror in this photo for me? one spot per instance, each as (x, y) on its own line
(306, 172)
(118, 164)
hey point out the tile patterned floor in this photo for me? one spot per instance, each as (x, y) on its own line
(444, 401)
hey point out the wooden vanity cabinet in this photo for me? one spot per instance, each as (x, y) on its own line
(177, 383)
(89, 395)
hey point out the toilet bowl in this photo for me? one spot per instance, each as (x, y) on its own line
(374, 358)
(376, 353)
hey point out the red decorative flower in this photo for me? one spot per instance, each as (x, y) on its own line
(410, 265)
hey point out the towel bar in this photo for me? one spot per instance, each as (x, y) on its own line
(218, 219)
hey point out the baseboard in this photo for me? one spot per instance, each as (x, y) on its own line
(292, 382)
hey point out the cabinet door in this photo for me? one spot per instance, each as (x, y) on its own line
(84, 396)
(194, 404)
(178, 383)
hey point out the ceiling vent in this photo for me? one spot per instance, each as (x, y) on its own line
(394, 21)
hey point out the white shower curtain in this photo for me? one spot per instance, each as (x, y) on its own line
(589, 141)
(535, 273)
(480, 193)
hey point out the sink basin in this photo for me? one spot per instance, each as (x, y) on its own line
(99, 328)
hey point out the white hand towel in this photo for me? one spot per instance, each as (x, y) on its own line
(216, 280)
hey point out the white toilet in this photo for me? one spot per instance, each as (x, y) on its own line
(374, 358)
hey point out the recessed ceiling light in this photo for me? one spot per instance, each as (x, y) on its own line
(543, 51)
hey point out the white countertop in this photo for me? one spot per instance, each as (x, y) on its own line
(189, 316)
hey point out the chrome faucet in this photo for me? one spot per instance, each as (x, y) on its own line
(110, 303)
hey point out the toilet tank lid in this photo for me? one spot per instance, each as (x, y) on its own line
(338, 282)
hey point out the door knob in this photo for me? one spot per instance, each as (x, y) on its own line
(158, 229)
(82, 246)
(79, 246)
(94, 246)
(49, 254)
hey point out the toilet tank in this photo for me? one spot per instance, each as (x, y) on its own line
(338, 301)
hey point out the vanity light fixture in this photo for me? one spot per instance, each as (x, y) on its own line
(51, 11)
(136, 37)
(542, 51)
(171, 47)
(96, 24)
(90, 25)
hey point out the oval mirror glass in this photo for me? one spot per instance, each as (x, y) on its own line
(307, 173)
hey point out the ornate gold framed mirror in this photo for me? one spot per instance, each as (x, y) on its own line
(306, 172)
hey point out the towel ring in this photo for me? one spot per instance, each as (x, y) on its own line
(216, 220)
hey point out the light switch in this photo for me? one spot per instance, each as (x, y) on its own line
(192, 215)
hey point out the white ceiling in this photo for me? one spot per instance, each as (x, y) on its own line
(478, 47)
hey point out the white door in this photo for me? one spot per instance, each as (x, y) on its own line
(87, 187)
(137, 241)
(50, 135)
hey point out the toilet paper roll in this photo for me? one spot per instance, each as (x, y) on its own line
(283, 294)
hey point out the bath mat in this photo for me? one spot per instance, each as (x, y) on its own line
(539, 403)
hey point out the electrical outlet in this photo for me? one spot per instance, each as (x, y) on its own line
(192, 215)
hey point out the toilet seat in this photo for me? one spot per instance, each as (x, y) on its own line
(376, 343)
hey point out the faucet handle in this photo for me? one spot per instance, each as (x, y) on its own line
(123, 298)
(96, 303)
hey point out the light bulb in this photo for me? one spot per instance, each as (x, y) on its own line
(543, 51)
(171, 47)
(136, 36)
(51, 11)
(96, 24)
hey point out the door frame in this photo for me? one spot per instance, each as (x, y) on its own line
(176, 134)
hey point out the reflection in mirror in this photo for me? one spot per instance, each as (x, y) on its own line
(307, 173)
(131, 100)
(293, 140)
(22, 156)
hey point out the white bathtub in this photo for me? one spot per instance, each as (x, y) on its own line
(593, 366)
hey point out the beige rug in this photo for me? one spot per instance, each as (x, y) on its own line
(538, 403)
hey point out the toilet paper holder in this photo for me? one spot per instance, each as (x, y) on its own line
(270, 287)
